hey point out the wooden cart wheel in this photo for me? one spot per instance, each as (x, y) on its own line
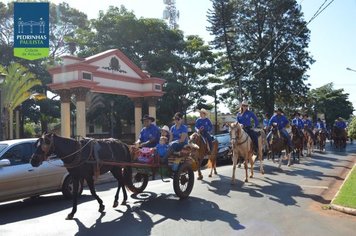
(183, 181)
(138, 182)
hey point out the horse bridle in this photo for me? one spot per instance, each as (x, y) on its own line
(47, 147)
(237, 137)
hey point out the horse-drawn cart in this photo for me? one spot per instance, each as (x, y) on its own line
(180, 168)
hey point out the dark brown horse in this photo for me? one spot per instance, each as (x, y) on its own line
(321, 139)
(203, 151)
(298, 141)
(339, 136)
(278, 143)
(83, 160)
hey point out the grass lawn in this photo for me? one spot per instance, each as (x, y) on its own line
(347, 194)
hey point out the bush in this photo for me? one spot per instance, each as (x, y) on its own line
(352, 128)
(30, 130)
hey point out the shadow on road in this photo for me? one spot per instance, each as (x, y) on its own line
(37, 207)
(137, 221)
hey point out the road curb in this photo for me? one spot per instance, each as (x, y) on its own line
(343, 209)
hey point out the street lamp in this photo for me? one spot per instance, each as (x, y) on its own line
(348, 68)
(2, 78)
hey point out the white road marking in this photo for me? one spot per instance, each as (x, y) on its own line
(313, 186)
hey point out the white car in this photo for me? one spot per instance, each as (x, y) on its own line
(18, 179)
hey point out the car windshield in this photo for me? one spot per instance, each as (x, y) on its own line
(2, 147)
(223, 138)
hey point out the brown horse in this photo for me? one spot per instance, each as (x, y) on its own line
(339, 136)
(298, 141)
(203, 151)
(278, 143)
(310, 142)
(242, 147)
(321, 139)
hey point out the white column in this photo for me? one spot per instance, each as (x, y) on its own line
(81, 119)
(138, 116)
(152, 106)
(80, 96)
(65, 112)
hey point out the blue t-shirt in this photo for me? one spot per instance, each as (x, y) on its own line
(203, 122)
(162, 149)
(281, 121)
(340, 124)
(320, 125)
(150, 133)
(298, 122)
(176, 132)
(265, 122)
(245, 118)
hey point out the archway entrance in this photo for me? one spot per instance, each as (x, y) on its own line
(107, 72)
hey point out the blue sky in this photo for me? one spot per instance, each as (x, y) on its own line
(333, 32)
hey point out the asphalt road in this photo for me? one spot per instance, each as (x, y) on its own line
(291, 201)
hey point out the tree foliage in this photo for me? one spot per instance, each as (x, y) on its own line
(265, 43)
(332, 102)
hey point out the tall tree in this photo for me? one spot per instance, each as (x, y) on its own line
(270, 38)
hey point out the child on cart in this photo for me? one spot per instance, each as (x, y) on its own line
(162, 148)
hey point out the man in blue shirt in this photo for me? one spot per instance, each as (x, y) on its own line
(150, 133)
(320, 125)
(266, 121)
(244, 118)
(308, 126)
(340, 123)
(298, 123)
(282, 122)
(204, 126)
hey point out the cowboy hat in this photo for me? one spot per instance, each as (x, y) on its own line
(147, 117)
(165, 128)
(244, 103)
(203, 111)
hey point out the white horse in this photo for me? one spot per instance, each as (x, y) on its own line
(242, 147)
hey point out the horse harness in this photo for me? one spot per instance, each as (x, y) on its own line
(244, 141)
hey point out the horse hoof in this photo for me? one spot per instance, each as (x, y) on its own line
(101, 208)
(115, 204)
(210, 176)
(251, 176)
(246, 181)
(69, 217)
(200, 178)
(123, 202)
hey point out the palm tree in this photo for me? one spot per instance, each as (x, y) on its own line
(16, 89)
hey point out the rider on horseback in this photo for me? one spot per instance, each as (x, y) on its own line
(298, 123)
(266, 121)
(282, 122)
(244, 118)
(204, 126)
(341, 125)
(308, 126)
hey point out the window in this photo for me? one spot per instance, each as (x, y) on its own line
(87, 76)
(19, 154)
(158, 87)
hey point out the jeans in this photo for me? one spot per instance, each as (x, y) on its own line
(253, 137)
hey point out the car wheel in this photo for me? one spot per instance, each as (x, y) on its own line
(67, 187)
